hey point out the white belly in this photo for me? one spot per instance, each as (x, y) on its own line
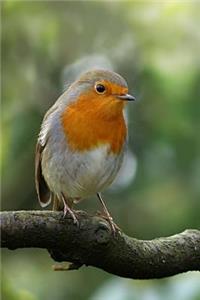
(80, 174)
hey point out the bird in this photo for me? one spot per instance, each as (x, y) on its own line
(82, 141)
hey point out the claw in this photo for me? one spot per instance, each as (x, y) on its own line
(109, 219)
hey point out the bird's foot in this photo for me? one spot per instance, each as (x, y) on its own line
(72, 214)
(69, 210)
(109, 219)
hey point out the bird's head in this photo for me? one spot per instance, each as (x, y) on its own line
(102, 90)
(94, 115)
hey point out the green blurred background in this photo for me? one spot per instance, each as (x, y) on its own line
(156, 47)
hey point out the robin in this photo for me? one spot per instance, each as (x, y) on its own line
(81, 143)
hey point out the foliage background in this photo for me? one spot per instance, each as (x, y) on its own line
(155, 46)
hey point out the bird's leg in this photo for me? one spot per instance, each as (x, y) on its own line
(68, 209)
(107, 215)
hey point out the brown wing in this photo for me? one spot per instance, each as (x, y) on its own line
(42, 189)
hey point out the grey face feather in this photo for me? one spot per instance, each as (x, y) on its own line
(98, 75)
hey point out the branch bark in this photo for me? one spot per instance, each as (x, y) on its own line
(92, 243)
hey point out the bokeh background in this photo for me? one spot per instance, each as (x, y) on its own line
(156, 47)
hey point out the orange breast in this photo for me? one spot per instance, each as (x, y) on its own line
(93, 121)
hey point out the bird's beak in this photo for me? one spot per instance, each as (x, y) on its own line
(126, 97)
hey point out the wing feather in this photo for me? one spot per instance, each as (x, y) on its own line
(42, 188)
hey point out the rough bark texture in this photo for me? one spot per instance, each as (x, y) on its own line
(92, 243)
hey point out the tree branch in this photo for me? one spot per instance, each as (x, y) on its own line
(92, 243)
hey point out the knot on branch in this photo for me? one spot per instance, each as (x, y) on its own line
(103, 233)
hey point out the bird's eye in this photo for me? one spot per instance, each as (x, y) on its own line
(100, 88)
